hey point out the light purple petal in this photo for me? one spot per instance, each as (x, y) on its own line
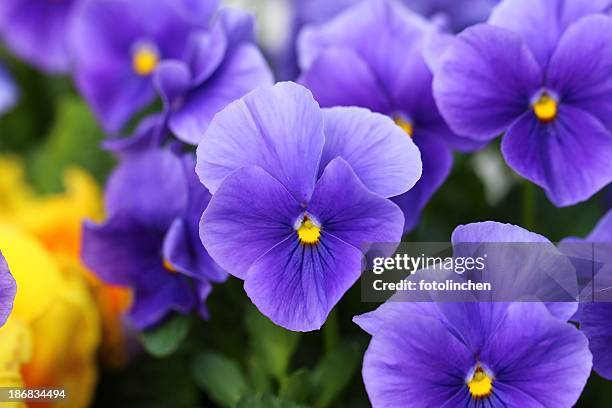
(384, 158)
(580, 70)
(172, 78)
(437, 164)
(538, 269)
(278, 128)
(569, 157)
(297, 285)
(347, 210)
(603, 230)
(250, 213)
(339, 77)
(540, 23)
(8, 288)
(485, 81)
(150, 187)
(244, 70)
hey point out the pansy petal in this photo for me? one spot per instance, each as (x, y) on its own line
(171, 79)
(244, 70)
(485, 81)
(540, 23)
(603, 230)
(437, 164)
(120, 248)
(547, 355)
(580, 70)
(151, 187)
(569, 157)
(596, 323)
(346, 209)
(157, 293)
(148, 135)
(384, 158)
(114, 95)
(297, 285)
(8, 288)
(207, 51)
(402, 368)
(278, 128)
(339, 77)
(248, 215)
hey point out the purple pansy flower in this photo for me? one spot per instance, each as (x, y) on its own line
(36, 31)
(474, 354)
(297, 191)
(596, 317)
(118, 44)
(8, 288)
(540, 71)
(150, 240)
(225, 66)
(9, 93)
(373, 56)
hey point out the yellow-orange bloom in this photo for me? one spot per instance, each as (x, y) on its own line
(54, 328)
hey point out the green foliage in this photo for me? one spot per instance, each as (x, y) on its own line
(165, 339)
(221, 378)
(272, 344)
(74, 139)
(335, 371)
(265, 401)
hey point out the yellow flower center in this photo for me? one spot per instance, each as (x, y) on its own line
(145, 59)
(169, 267)
(406, 125)
(545, 108)
(308, 232)
(481, 385)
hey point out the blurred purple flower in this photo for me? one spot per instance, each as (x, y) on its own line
(454, 14)
(373, 56)
(225, 65)
(118, 44)
(540, 71)
(297, 191)
(491, 354)
(37, 31)
(596, 318)
(150, 240)
(9, 94)
(8, 288)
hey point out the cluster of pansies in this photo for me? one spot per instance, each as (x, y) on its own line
(285, 186)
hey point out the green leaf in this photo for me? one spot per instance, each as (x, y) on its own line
(334, 372)
(74, 140)
(297, 387)
(165, 339)
(272, 344)
(220, 377)
(265, 401)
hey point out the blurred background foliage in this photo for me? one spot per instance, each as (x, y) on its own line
(238, 358)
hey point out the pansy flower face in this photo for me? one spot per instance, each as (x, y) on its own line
(539, 72)
(491, 354)
(150, 241)
(37, 31)
(297, 191)
(373, 56)
(8, 289)
(117, 45)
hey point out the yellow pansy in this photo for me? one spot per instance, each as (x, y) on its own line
(56, 318)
